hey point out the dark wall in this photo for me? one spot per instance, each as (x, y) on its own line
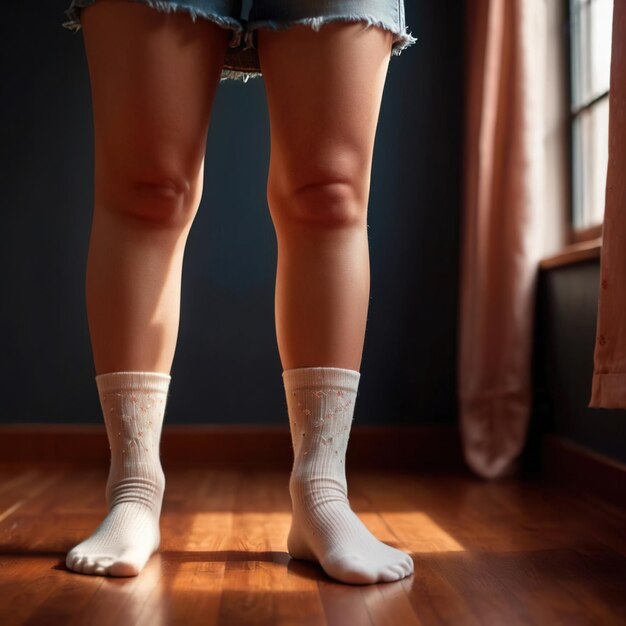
(226, 368)
(567, 315)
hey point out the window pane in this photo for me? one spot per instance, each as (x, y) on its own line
(601, 20)
(590, 147)
(579, 43)
(591, 48)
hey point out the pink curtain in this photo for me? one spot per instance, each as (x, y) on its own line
(609, 375)
(501, 228)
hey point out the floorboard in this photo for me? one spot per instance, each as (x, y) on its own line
(520, 551)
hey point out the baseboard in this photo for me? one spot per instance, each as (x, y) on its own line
(411, 448)
(567, 462)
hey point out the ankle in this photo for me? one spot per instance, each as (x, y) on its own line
(147, 490)
(309, 488)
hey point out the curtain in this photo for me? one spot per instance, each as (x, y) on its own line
(608, 388)
(500, 229)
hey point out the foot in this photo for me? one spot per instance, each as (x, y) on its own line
(133, 404)
(324, 529)
(120, 546)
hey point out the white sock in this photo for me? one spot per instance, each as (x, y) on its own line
(320, 401)
(133, 404)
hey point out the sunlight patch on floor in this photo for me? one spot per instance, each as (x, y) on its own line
(259, 532)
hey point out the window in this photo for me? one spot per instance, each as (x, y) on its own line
(590, 24)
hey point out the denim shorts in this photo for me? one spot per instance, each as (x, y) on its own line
(242, 59)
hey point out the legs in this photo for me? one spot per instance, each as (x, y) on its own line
(324, 91)
(153, 79)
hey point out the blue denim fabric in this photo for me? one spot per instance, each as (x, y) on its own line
(242, 60)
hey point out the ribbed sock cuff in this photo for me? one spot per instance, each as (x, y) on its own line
(147, 381)
(305, 377)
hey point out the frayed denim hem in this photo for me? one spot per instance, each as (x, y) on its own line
(402, 39)
(231, 23)
(238, 75)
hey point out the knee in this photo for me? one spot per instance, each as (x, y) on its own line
(325, 202)
(152, 199)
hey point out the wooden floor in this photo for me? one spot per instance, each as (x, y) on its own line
(496, 554)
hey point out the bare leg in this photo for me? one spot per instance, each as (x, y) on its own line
(324, 92)
(153, 79)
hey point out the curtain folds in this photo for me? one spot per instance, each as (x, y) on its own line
(505, 220)
(501, 229)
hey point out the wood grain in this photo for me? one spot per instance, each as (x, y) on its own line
(518, 551)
